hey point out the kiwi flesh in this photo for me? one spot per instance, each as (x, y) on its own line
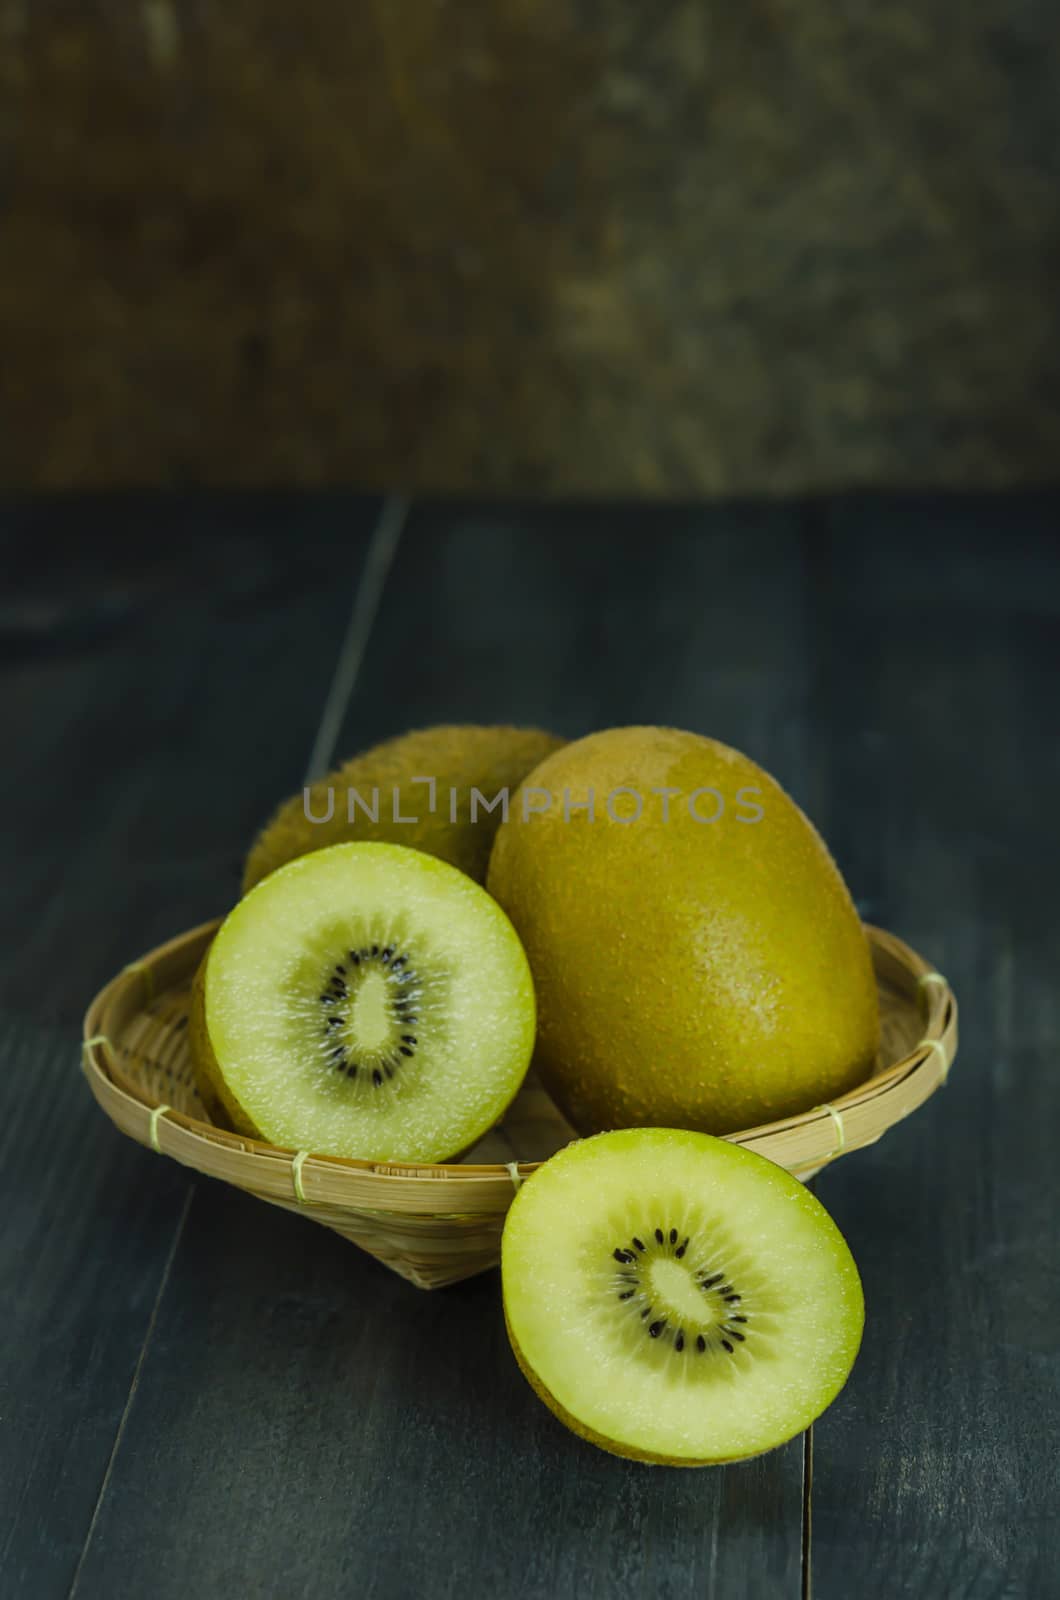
(415, 790)
(366, 1001)
(677, 1299)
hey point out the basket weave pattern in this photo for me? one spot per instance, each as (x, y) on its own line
(437, 1224)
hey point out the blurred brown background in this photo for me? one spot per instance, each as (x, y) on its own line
(545, 246)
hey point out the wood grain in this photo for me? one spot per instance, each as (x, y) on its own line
(938, 644)
(149, 652)
(301, 1412)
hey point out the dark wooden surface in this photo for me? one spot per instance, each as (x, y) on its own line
(200, 1394)
(939, 639)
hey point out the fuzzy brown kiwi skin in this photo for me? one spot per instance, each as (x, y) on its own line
(461, 757)
(221, 1106)
(612, 1446)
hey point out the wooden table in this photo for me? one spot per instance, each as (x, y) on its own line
(201, 1395)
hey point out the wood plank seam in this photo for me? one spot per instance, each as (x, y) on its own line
(133, 1386)
(381, 552)
(807, 1514)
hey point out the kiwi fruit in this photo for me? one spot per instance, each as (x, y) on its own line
(365, 1000)
(677, 1299)
(415, 790)
(697, 958)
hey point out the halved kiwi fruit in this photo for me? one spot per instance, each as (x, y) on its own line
(366, 1000)
(416, 790)
(675, 1298)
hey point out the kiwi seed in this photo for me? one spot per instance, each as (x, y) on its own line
(630, 1285)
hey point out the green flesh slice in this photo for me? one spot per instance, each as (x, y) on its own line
(370, 1001)
(678, 1297)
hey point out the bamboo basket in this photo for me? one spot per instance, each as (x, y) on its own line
(437, 1224)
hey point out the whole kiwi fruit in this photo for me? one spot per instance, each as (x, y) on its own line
(697, 958)
(438, 816)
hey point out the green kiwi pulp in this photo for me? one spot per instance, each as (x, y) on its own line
(365, 1000)
(675, 1298)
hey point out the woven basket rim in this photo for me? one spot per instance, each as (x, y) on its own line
(815, 1136)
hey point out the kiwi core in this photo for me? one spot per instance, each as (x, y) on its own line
(371, 1020)
(674, 1289)
(369, 1010)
